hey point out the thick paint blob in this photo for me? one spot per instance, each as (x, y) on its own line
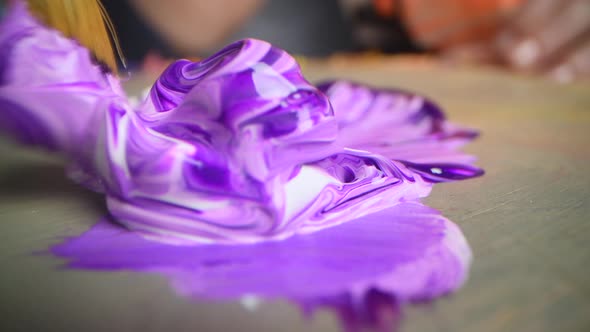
(238, 148)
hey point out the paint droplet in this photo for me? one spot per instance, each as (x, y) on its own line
(436, 170)
(250, 302)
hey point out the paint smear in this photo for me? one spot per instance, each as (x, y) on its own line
(362, 270)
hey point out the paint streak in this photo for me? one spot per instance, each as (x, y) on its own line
(361, 270)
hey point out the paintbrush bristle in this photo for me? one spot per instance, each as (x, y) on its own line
(84, 20)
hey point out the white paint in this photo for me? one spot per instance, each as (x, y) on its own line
(436, 170)
(304, 188)
(269, 84)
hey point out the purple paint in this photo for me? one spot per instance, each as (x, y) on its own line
(237, 176)
(405, 253)
(237, 148)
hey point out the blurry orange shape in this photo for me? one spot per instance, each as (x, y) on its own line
(385, 8)
(439, 24)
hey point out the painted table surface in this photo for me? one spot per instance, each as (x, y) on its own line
(527, 220)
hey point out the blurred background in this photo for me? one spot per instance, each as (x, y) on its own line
(545, 37)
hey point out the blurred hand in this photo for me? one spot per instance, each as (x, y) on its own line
(548, 36)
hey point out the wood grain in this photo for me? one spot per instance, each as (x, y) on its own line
(527, 220)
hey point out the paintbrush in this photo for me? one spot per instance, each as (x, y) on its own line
(86, 21)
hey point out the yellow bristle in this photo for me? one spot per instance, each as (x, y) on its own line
(84, 20)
